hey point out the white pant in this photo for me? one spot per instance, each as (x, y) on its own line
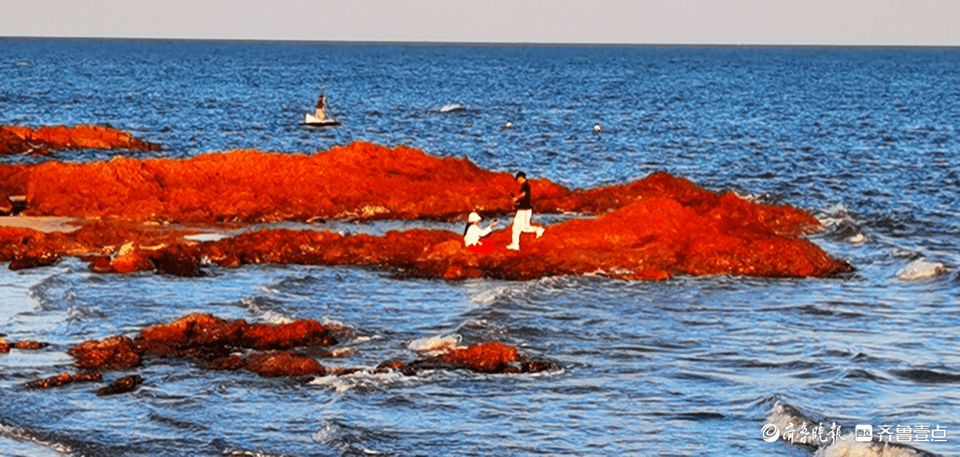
(521, 224)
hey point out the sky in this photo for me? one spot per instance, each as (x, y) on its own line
(692, 22)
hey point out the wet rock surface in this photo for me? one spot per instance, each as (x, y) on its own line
(490, 357)
(121, 386)
(23, 345)
(280, 350)
(64, 379)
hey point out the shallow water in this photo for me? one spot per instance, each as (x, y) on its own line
(863, 138)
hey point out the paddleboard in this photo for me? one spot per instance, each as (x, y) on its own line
(310, 120)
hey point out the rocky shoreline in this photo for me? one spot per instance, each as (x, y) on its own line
(656, 227)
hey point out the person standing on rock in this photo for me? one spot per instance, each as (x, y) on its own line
(473, 233)
(521, 222)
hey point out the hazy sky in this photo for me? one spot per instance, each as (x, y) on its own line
(778, 22)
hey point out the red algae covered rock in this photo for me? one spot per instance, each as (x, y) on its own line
(361, 181)
(490, 357)
(654, 228)
(63, 379)
(653, 238)
(301, 333)
(25, 140)
(284, 364)
(114, 353)
(189, 334)
(485, 358)
(30, 345)
(207, 337)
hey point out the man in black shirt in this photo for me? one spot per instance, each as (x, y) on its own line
(521, 222)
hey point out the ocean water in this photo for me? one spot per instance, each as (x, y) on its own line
(866, 139)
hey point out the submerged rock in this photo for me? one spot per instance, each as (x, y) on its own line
(120, 386)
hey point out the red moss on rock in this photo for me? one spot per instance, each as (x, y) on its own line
(25, 140)
(30, 345)
(490, 357)
(114, 353)
(485, 358)
(207, 337)
(361, 182)
(64, 379)
(654, 228)
(654, 238)
(301, 333)
(284, 364)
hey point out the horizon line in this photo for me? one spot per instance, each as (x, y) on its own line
(487, 43)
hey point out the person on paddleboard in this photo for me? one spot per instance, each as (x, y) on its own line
(321, 102)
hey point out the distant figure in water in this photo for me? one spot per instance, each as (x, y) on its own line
(473, 233)
(320, 104)
(521, 222)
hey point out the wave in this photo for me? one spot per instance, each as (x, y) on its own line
(921, 269)
(451, 107)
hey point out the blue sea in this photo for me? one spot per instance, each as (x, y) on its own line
(866, 139)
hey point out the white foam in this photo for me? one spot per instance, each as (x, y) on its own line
(451, 107)
(19, 434)
(921, 269)
(435, 345)
(360, 380)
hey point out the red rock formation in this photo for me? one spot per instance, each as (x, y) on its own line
(114, 353)
(24, 140)
(361, 182)
(653, 238)
(63, 379)
(120, 386)
(212, 343)
(208, 340)
(491, 357)
(485, 358)
(653, 228)
(30, 345)
(284, 364)
(204, 332)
